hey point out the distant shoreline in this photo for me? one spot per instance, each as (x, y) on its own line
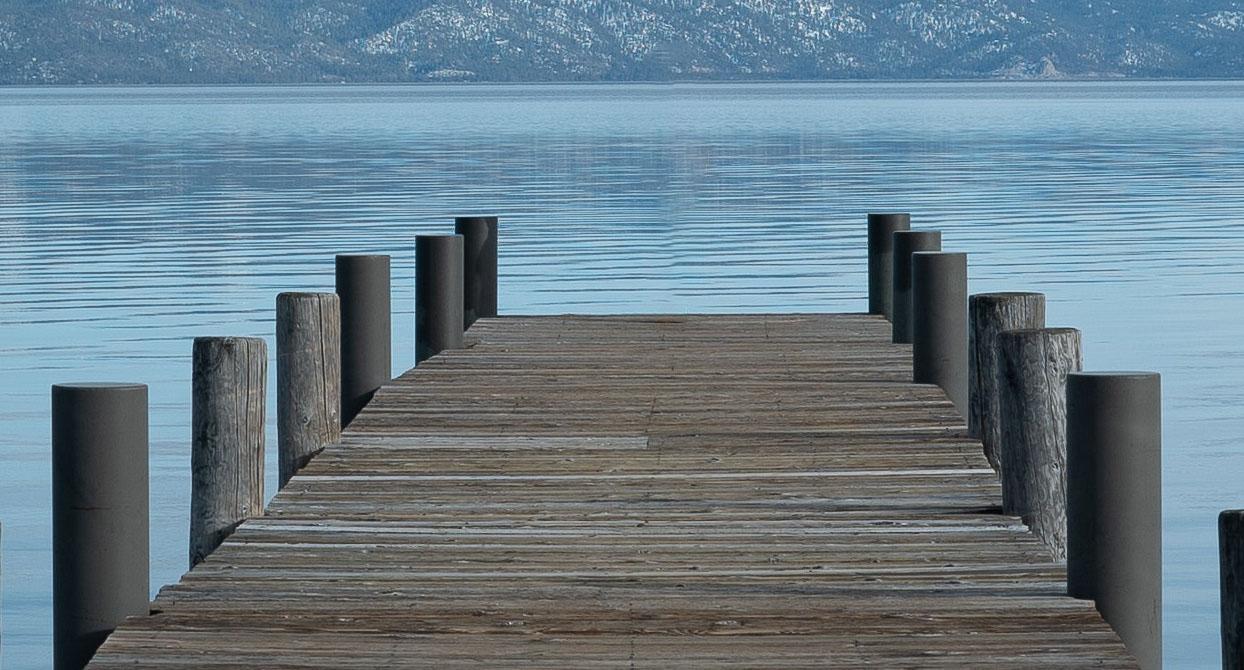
(625, 83)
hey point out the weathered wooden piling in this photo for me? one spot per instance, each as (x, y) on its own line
(100, 557)
(479, 266)
(229, 393)
(439, 302)
(1032, 368)
(1114, 503)
(308, 377)
(881, 229)
(988, 315)
(939, 319)
(1231, 582)
(364, 288)
(907, 242)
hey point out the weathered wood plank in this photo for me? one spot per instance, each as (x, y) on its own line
(637, 492)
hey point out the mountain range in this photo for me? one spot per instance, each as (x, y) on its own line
(289, 41)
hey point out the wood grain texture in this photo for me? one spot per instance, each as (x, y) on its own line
(1032, 391)
(637, 492)
(229, 392)
(988, 315)
(308, 377)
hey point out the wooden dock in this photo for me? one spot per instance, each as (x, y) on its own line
(637, 492)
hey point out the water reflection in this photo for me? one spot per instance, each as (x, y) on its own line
(134, 220)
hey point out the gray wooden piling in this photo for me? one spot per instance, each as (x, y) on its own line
(1231, 582)
(907, 242)
(479, 266)
(1032, 369)
(939, 299)
(881, 229)
(1114, 503)
(364, 287)
(229, 392)
(308, 374)
(100, 554)
(439, 302)
(988, 315)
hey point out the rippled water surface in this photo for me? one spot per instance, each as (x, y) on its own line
(136, 219)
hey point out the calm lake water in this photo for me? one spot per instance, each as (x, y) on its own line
(136, 219)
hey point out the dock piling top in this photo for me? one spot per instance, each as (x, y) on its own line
(479, 269)
(881, 229)
(100, 557)
(988, 315)
(1032, 369)
(364, 287)
(1231, 580)
(939, 320)
(439, 301)
(907, 242)
(1114, 502)
(228, 397)
(308, 377)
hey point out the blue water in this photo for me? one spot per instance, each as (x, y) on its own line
(136, 219)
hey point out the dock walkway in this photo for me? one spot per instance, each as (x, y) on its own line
(637, 492)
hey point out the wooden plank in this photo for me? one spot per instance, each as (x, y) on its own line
(637, 492)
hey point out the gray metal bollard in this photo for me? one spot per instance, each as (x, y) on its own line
(988, 315)
(100, 553)
(479, 266)
(308, 377)
(438, 295)
(907, 242)
(939, 299)
(1032, 422)
(1114, 503)
(1231, 581)
(881, 229)
(228, 397)
(364, 287)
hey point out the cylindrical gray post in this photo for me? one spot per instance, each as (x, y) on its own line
(1231, 579)
(939, 299)
(1114, 503)
(308, 377)
(363, 285)
(229, 390)
(438, 295)
(479, 266)
(1032, 409)
(988, 315)
(881, 229)
(100, 520)
(906, 243)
